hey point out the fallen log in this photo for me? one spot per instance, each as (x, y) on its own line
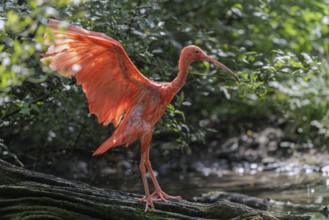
(26, 194)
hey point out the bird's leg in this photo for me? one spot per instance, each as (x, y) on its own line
(146, 164)
(145, 141)
(163, 196)
(142, 169)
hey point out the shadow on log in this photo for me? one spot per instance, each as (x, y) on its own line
(26, 194)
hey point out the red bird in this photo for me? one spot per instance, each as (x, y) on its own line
(116, 91)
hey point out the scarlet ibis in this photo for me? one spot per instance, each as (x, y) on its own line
(116, 90)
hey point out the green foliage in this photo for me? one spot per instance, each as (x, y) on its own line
(277, 48)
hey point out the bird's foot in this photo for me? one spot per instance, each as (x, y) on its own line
(161, 196)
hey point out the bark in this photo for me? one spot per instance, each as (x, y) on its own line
(26, 194)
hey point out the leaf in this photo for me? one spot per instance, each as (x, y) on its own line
(25, 110)
(295, 64)
(260, 91)
(35, 108)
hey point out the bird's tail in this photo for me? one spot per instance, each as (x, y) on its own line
(109, 143)
(121, 136)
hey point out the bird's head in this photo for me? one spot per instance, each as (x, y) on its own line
(193, 53)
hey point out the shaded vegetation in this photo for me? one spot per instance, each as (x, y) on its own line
(278, 48)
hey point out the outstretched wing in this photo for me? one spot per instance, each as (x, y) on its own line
(110, 80)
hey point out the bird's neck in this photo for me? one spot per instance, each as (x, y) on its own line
(181, 77)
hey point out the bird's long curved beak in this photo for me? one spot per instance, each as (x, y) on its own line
(220, 65)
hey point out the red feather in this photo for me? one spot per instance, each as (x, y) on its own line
(111, 82)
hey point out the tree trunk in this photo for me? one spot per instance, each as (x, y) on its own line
(26, 194)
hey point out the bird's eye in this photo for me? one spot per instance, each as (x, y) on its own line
(196, 51)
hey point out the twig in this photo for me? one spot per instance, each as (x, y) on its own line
(19, 109)
(33, 102)
(79, 135)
